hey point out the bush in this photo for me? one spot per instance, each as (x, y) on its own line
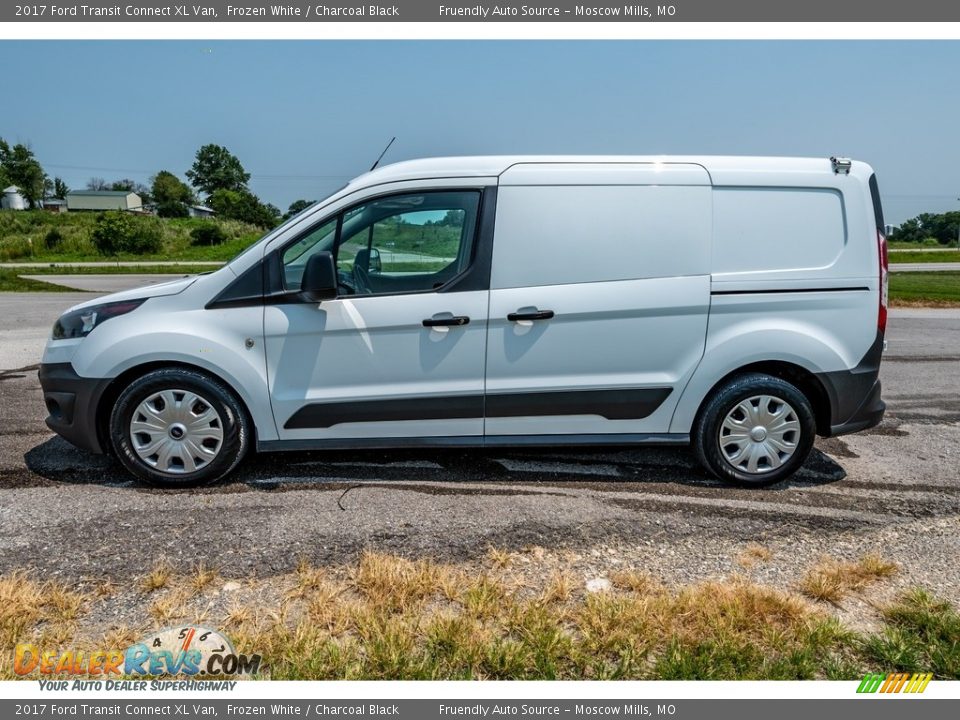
(931, 242)
(117, 232)
(172, 210)
(53, 239)
(147, 237)
(208, 234)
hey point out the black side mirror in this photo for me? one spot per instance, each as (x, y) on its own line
(319, 281)
(376, 264)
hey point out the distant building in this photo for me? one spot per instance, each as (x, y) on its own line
(12, 199)
(104, 200)
(200, 211)
(54, 205)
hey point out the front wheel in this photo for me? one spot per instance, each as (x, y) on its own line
(755, 430)
(176, 427)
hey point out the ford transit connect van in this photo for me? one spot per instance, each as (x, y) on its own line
(737, 304)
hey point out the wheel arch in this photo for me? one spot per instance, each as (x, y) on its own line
(803, 379)
(119, 383)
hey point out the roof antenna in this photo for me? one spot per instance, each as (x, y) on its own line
(374, 166)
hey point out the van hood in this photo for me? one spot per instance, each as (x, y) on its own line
(171, 287)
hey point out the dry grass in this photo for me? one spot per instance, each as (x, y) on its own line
(158, 578)
(391, 617)
(202, 578)
(752, 555)
(29, 609)
(831, 580)
(498, 558)
(635, 582)
(168, 607)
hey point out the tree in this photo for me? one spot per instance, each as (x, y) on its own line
(168, 188)
(940, 226)
(60, 189)
(22, 169)
(297, 206)
(97, 184)
(216, 168)
(245, 206)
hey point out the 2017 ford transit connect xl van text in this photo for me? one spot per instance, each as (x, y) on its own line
(737, 304)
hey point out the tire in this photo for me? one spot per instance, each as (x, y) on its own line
(177, 427)
(755, 430)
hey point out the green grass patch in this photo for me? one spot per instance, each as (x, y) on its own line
(937, 288)
(924, 257)
(11, 282)
(38, 236)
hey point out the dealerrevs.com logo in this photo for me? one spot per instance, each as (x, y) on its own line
(895, 683)
(191, 651)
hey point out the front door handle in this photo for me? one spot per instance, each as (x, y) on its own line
(530, 315)
(456, 320)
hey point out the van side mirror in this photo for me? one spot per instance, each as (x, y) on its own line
(319, 281)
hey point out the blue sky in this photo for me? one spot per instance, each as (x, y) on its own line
(304, 117)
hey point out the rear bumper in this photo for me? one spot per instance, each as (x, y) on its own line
(72, 403)
(855, 402)
(868, 415)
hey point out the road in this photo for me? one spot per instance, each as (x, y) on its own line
(894, 489)
(924, 267)
(110, 283)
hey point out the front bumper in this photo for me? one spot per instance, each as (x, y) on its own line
(72, 403)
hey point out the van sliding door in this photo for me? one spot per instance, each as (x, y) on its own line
(600, 292)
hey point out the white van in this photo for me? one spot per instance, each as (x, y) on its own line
(737, 304)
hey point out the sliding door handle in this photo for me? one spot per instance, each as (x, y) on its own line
(530, 315)
(456, 320)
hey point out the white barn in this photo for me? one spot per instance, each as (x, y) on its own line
(103, 200)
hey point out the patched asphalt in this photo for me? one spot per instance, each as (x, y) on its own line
(894, 490)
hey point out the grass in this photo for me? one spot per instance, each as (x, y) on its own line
(753, 554)
(23, 237)
(502, 616)
(935, 288)
(831, 580)
(907, 256)
(11, 280)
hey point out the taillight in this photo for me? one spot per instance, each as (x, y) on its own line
(884, 281)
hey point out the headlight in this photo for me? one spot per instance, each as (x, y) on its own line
(81, 323)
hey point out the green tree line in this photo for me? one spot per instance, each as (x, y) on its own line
(929, 229)
(217, 179)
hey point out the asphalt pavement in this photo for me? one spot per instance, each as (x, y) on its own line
(924, 267)
(893, 490)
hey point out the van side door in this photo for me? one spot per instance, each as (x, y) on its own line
(399, 353)
(600, 293)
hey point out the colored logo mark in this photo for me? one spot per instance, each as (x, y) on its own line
(895, 683)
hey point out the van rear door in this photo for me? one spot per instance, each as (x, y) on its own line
(600, 292)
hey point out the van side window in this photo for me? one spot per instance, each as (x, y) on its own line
(407, 243)
(295, 257)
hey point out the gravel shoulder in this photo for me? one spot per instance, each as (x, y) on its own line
(892, 491)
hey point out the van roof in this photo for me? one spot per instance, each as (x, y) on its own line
(494, 165)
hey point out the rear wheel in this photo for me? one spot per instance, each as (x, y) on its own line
(754, 430)
(178, 427)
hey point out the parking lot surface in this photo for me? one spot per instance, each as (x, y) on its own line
(893, 490)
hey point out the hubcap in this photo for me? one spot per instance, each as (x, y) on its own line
(176, 431)
(759, 434)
